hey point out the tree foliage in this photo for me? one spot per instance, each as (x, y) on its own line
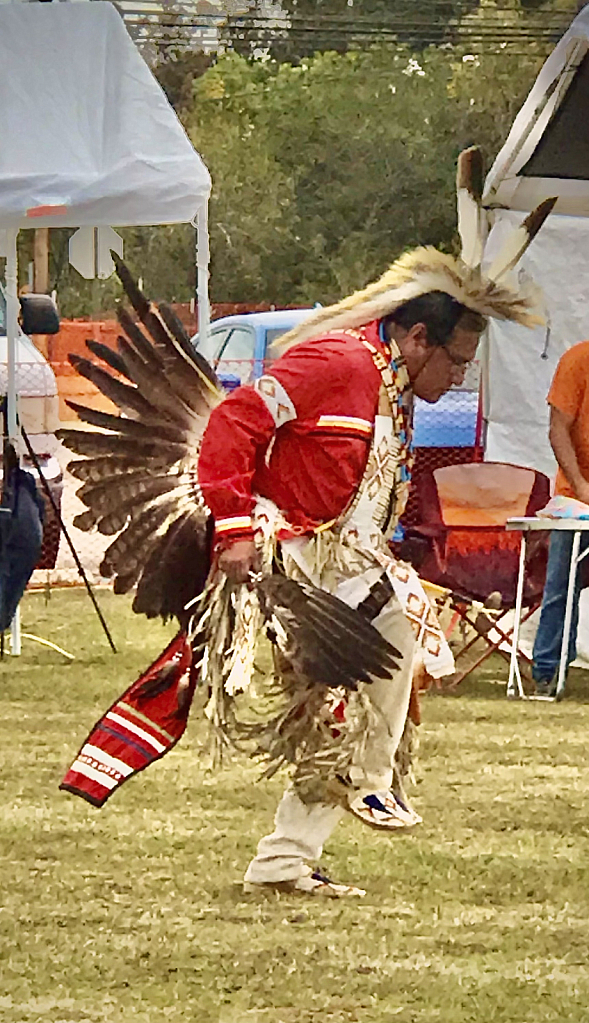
(324, 169)
(177, 70)
(314, 26)
(323, 172)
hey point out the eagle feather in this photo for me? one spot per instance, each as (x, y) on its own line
(138, 465)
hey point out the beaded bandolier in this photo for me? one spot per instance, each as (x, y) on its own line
(385, 484)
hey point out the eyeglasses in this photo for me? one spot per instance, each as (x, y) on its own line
(457, 360)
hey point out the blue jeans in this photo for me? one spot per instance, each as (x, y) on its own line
(548, 640)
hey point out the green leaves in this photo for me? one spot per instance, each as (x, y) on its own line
(325, 169)
(323, 172)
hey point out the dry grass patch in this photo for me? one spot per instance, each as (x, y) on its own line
(134, 914)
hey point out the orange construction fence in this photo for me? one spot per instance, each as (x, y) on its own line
(70, 386)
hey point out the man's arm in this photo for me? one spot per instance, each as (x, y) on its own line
(241, 429)
(238, 430)
(560, 438)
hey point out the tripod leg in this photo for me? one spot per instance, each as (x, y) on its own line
(62, 526)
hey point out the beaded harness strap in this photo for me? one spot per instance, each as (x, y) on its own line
(388, 468)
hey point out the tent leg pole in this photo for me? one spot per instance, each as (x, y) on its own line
(202, 271)
(11, 397)
(11, 333)
(73, 550)
(15, 638)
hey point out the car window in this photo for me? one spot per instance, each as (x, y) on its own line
(211, 346)
(270, 353)
(271, 335)
(235, 355)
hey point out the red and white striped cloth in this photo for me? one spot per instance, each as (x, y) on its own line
(140, 727)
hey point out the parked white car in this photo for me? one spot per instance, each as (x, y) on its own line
(38, 402)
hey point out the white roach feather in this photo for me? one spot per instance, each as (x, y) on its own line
(514, 247)
(471, 217)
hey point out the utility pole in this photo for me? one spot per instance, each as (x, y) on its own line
(41, 277)
(41, 261)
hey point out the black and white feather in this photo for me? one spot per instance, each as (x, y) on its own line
(324, 640)
(519, 240)
(471, 215)
(138, 465)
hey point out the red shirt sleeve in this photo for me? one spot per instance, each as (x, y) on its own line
(239, 429)
(326, 375)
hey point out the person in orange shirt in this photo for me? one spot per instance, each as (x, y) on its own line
(569, 436)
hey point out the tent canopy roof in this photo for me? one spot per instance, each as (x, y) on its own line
(547, 149)
(85, 128)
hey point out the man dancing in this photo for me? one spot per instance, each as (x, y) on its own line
(275, 505)
(320, 450)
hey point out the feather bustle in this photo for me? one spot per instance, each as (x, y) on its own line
(123, 395)
(148, 352)
(128, 427)
(163, 338)
(129, 494)
(92, 444)
(108, 355)
(156, 384)
(184, 376)
(105, 468)
(176, 328)
(187, 541)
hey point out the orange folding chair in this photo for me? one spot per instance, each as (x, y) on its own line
(460, 544)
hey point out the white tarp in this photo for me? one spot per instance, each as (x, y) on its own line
(521, 362)
(84, 125)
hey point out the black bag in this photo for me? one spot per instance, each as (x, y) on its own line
(21, 539)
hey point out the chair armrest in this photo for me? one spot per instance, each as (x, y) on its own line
(429, 532)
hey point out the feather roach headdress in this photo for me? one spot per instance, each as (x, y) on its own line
(490, 292)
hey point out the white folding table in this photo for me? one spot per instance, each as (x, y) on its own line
(533, 524)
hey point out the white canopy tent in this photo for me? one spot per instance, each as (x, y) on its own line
(88, 138)
(545, 154)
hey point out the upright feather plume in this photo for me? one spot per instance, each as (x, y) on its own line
(471, 216)
(515, 246)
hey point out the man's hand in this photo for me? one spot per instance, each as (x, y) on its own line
(239, 560)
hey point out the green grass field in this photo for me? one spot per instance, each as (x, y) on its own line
(134, 913)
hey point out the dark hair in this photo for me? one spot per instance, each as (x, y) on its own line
(440, 313)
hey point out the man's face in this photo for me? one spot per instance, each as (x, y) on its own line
(445, 366)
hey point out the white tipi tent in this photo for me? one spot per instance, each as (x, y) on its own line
(546, 154)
